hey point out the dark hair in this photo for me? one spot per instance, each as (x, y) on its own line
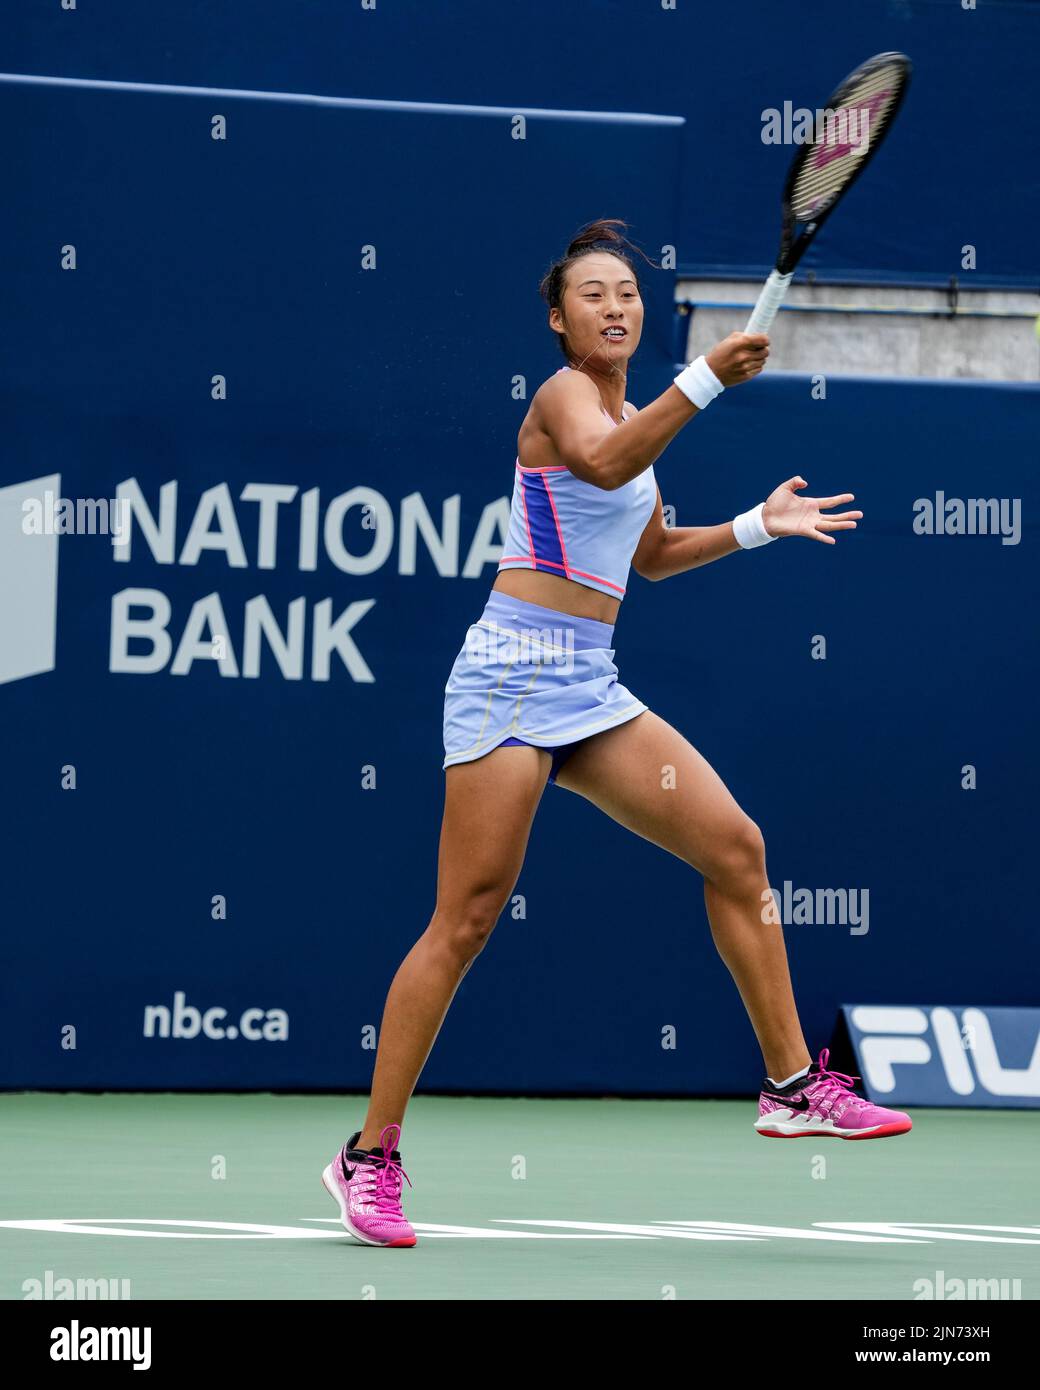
(606, 234)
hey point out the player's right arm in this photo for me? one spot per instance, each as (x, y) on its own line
(571, 414)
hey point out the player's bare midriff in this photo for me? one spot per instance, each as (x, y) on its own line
(553, 591)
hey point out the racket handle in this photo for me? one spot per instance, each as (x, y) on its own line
(769, 302)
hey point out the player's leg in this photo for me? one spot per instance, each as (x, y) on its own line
(646, 776)
(489, 805)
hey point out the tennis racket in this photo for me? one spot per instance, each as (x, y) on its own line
(846, 136)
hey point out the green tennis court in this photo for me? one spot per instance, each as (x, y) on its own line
(512, 1199)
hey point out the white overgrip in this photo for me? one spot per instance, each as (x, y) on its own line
(769, 302)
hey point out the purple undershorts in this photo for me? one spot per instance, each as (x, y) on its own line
(559, 755)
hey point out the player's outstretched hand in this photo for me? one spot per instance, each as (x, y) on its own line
(739, 357)
(786, 514)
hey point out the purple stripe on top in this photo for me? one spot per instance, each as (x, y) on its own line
(540, 520)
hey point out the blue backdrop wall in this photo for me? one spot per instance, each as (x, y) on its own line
(959, 173)
(398, 389)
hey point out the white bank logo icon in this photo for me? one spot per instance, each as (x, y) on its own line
(28, 585)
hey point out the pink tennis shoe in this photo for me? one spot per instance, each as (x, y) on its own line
(824, 1104)
(366, 1185)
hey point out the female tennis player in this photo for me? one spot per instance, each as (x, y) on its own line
(534, 695)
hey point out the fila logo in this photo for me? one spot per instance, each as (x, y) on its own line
(28, 585)
(964, 1047)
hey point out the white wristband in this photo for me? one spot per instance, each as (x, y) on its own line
(698, 383)
(750, 529)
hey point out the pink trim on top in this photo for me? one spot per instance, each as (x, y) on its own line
(559, 529)
(527, 524)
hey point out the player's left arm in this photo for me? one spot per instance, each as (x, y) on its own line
(666, 550)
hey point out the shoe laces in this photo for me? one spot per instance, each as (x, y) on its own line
(385, 1183)
(834, 1085)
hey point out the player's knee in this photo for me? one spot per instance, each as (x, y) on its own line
(463, 930)
(739, 861)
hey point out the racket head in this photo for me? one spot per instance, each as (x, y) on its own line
(857, 117)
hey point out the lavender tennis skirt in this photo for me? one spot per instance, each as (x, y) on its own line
(528, 674)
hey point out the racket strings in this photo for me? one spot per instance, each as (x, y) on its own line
(843, 140)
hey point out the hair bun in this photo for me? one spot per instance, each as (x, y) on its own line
(607, 232)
